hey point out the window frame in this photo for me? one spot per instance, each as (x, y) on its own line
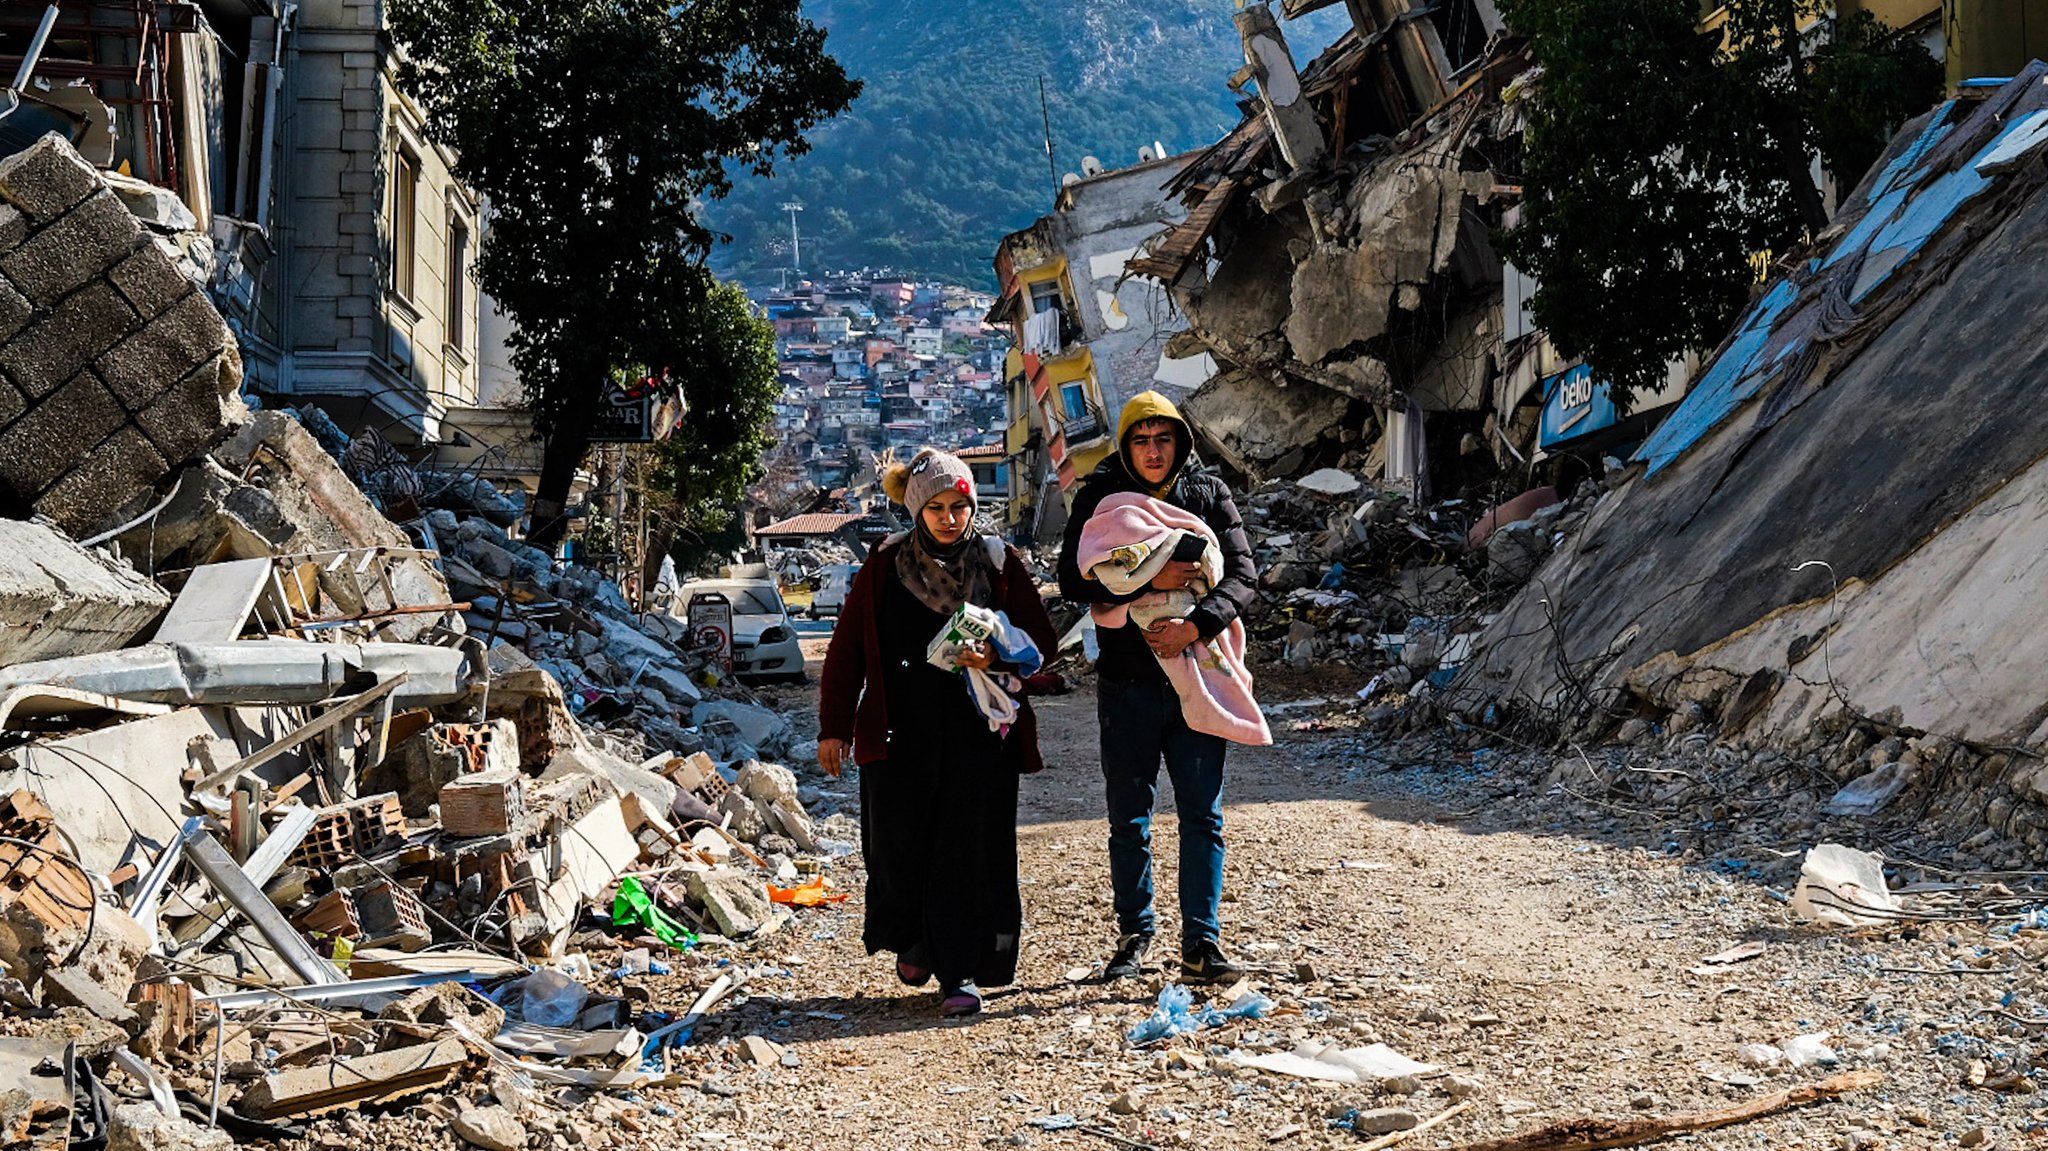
(403, 280)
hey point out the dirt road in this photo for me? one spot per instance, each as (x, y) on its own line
(1549, 965)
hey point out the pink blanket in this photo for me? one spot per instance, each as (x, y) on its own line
(1210, 676)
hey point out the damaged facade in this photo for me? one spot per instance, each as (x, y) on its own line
(1336, 257)
(1087, 335)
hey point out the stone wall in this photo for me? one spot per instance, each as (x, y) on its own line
(114, 366)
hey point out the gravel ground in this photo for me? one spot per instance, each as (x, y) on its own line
(1543, 945)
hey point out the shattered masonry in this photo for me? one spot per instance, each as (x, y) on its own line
(116, 366)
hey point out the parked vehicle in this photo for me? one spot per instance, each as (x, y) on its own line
(834, 582)
(764, 642)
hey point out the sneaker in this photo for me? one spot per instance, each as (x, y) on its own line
(1129, 960)
(961, 999)
(911, 975)
(1205, 963)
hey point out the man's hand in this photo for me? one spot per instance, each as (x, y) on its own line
(977, 655)
(832, 756)
(1176, 575)
(1170, 637)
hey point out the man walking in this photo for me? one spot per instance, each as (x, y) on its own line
(1139, 711)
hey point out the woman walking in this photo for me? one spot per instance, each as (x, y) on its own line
(938, 786)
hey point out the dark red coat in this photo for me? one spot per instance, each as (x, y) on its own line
(852, 703)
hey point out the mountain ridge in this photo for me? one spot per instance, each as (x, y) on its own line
(944, 153)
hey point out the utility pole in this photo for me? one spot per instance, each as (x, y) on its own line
(1052, 168)
(796, 250)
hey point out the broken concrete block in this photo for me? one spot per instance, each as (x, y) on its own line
(492, 1128)
(791, 819)
(747, 821)
(763, 729)
(735, 901)
(141, 1127)
(57, 433)
(767, 783)
(1513, 552)
(58, 599)
(430, 1008)
(198, 411)
(755, 1049)
(86, 241)
(45, 179)
(1252, 422)
(65, 340)
(655, 792)
(145, 365)
(150, 282)
(85, 500)
(153, 205)
(72, 987)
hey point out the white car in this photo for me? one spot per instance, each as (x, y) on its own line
(834, 582)
(764, 643)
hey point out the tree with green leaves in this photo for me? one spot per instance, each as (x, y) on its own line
(1661, 159)
(697, 484)
(596, 130)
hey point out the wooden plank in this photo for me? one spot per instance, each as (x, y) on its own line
(381, 1077)
(1594, 1134)
(334, 717)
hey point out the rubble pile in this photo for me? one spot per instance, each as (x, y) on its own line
(304, 809)
(1356, 573)
(1907, 624)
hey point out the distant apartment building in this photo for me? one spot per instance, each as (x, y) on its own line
(1087, 337)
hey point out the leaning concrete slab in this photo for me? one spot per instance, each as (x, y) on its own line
(58, 599)
(102, 399)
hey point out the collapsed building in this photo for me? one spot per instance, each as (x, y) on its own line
(284, 765)
(1336, 259)
(1828, 544)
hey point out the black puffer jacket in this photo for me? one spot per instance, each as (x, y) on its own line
(1195, 489)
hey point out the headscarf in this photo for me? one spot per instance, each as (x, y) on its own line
(942, 576)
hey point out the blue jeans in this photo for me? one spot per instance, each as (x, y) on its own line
(1141, 725)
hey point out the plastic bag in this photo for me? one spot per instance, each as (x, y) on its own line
(812, 894)
(1843, 887)
(1172, 1017)
(1177, 1014)
(634, 905)
(549, 998)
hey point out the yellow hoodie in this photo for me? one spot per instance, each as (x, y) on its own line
(1152, 406)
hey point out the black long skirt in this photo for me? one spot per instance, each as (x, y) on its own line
(939, 820)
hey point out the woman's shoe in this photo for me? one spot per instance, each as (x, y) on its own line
(963, 999)
(911, 975)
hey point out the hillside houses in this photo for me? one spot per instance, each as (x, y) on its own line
(870, 365)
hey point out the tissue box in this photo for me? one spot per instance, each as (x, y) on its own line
(970, 624)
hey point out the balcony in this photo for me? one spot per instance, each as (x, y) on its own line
(1085, 428)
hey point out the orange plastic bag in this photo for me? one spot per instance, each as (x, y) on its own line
(810, 894)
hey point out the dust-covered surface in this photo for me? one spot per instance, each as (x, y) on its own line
(1545, 946)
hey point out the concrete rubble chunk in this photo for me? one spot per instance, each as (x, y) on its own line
(88, 240)
(1329, 482)
(45, 179)
(141, 1127)
(58, 599)
(762, 729)
(493, 1128)
(735, 901)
